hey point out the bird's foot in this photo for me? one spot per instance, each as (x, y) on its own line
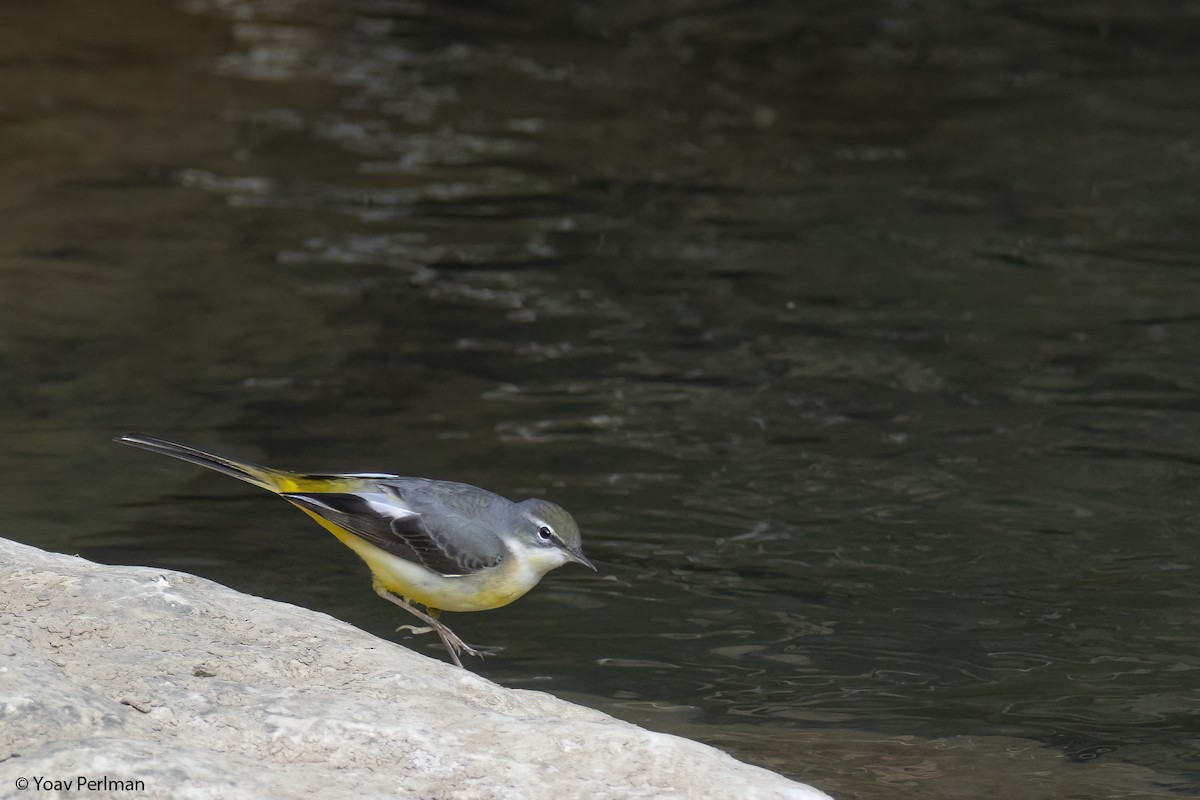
(413, 629)
(454, 645)
(450, 640)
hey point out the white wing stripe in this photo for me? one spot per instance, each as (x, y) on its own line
(388, 506)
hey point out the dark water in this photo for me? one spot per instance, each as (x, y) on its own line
(862, 339)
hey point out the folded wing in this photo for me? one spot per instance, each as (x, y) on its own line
(395, 528)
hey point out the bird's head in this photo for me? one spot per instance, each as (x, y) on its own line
(551, 529)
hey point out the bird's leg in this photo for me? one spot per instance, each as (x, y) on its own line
(450, 640)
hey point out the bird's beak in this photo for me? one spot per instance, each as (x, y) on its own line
(578, 557)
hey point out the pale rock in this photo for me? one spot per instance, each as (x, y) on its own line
(199, 691)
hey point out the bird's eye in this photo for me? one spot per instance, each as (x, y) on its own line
(545, 533)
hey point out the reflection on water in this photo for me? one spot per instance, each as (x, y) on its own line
(861, 341)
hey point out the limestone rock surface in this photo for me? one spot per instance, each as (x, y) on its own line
(133, 674)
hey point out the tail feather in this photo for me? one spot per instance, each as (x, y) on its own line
(269, 479)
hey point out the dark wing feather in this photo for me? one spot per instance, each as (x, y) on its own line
(410, 537)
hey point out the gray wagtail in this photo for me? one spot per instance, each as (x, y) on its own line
(447, 546)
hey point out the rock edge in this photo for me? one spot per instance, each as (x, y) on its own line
(200, 691)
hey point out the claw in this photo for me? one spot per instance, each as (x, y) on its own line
(413, 629)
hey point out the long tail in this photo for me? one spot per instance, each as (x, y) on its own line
(272, 480)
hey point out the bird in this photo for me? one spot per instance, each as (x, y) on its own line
(443, 545)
